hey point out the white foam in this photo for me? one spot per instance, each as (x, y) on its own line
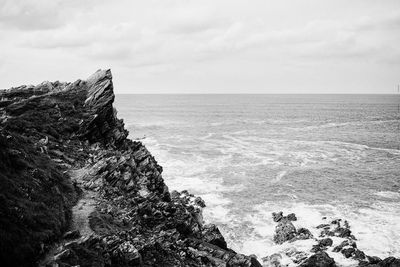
(376, 228)
(200, 166)
(388, 194)
(279, 176)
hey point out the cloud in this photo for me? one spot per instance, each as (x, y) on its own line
(31, 15)
(203, 37)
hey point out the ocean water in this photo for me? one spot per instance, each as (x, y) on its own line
(250, 155)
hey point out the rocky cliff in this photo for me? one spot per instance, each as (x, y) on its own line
(74, 190)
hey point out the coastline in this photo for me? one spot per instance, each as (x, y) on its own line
(136, 220)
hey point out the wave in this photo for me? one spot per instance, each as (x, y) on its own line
(388, 195)
(342, 124)
(279, 176)
(376, 228)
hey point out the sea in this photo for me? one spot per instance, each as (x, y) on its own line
(334, 156)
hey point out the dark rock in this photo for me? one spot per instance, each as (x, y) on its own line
(323, 226)
(200, 202)
(212, 235)
(348, 252)
(303, 233)
(342, 232)
(284, 231)
(326, 242)
(373, 259)
(359, 255)
(72, 234)
(277, 216)
(322, 245)
(291, 217)
(319, 259)
(390, 262)
(273, 260)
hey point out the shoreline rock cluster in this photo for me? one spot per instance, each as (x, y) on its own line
(126, 215)
(334, 241)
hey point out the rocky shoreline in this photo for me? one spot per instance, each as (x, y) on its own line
(75, 191)
(333, 244)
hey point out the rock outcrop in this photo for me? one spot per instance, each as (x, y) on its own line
(63, 141)
(322, 248)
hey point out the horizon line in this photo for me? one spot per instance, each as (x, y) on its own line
(256, 93)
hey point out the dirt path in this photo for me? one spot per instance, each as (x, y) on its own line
(85, 206)
(80, 216)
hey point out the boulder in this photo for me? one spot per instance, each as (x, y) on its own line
(284, 231)
(212, 235)
(319, 259)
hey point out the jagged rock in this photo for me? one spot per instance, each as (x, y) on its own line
(284, 231)
(322, 245)
(212, 235)
(296, 256)
(303, 233)
(72, 234)
(291, 217)
(326, 242)
(319, 259)
(273, 260)
(373, 259)
(344, 244)
(323, 226)
(390, 262)
(348, 252)
(277, 216)
(359, 255)
(52, 129)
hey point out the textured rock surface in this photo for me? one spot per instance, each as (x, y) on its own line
(322, 249)
(60, 140)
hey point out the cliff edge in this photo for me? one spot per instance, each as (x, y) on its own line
(74, 190)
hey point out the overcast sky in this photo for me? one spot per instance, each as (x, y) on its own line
(205, 46)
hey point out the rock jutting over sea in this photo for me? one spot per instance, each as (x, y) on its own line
(76, 191)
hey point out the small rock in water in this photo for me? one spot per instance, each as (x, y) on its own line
(322, 245)
(284, 231)
(273, 260)
(348, 252)
(277, 216)
(291, 217)
(324, 225)
(319, 259)
(326, 242)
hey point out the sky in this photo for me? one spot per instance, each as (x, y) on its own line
(205, 46)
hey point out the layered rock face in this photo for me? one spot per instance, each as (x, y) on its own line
(63, 148)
